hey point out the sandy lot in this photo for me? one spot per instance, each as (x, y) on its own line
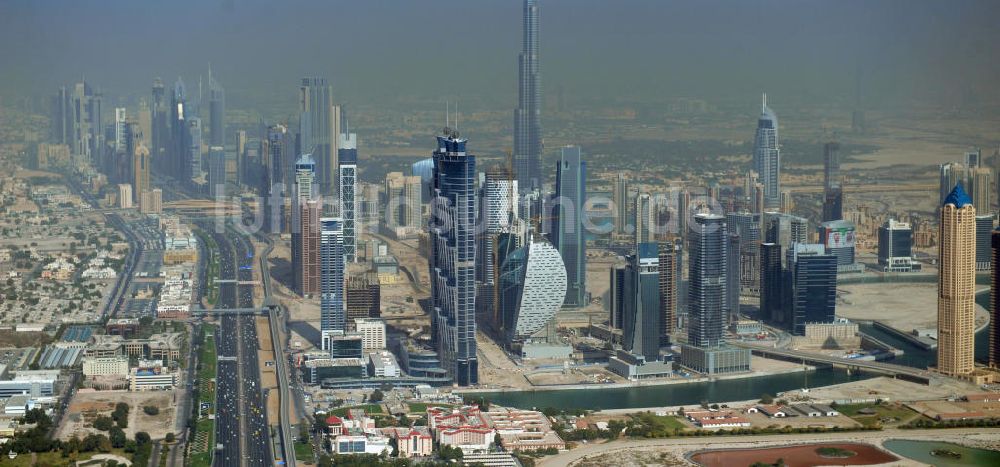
(902, 306)
(884, 388)
(88, 405)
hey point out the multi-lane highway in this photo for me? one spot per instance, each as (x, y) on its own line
(240, 423)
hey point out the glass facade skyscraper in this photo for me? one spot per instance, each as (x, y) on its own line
(527, 116)
(642, 314)
(331, 277)
(707, 280)
(567, 211)
(319, 130)
(767, 156)
(347, 158)
(813, 286)
(453, 258)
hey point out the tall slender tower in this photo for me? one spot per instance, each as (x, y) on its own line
(347, 159)
(994, 359)
(160, 137)
(305, 228)
(707, 276)
(332, 317)
(620, 198)
(833, 190)
(527, 116)
(453, 259)
(571, 191)
(319, 130)
(216, 112)
(767, 156)
(956, 284)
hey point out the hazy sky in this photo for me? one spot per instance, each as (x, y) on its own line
(384, 51)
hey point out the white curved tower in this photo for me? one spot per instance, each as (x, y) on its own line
(539, 275)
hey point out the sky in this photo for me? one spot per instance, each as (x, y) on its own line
(391, 52)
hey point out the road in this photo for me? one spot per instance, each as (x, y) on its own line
(240, 424)
(690, 444)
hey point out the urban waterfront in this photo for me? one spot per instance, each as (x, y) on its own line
(721, 390)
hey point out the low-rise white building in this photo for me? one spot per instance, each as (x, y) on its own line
(151, 379)
(105, 366)
(372, 332)
(382, 365)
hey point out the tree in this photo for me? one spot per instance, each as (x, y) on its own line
(102, 423)
(117, 437)
(151, 410)
(142, 438)
(766, 398)
(170, 438)
(376, 396)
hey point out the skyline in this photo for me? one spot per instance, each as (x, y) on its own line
(815, 53)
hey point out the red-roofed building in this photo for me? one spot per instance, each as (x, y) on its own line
(463, 427)
(412, 442)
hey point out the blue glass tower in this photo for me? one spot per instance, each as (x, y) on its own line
(642, 314)
(571, 189)
(453, 256)
(331, 276)
(527, 116)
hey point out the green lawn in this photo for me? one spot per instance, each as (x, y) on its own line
(54, 459)
(304, 452)
(201, 453)
(212, 271)
(667, 422)
(369, 409)
(888, 410)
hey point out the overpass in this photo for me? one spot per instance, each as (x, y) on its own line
(903, 372)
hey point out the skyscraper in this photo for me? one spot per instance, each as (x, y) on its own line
(160, 136)
(306, 228)
(498, 207)
(216, 171)
(531, 286)
(347, 158)
(669, 253)
(956, 284)
(767, 156)
(403, 207)
(216, 112)
(707, 280)
(642, 329)
(838, 238)
(194, 149)
(453, 258)
(571, 191)
(332, 265)
(994, 309)
(950, 174)
(121, 123)
(276, 151)
(747, 225)
(179, 166)
(319, 130)
(527, 116)
(895, 246)
(706, 350)
(621, 201)
(813, 286)
(733, 258)
(981, 186)
(984, 227)
(644, 222)
(140, 171)
(833, 189)
(616, 297)
(771, 283)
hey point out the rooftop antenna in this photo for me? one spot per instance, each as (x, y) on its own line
(457, 115)
(209, 74)
(447, 114)
(763, 105)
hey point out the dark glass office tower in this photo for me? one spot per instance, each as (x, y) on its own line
(707, 280)
(216, 112)
(641, 317)
(180, 139)
(984, 227)
(670, 254)
(833, 190)
(616, 297)
(770, 283)
(813, 286)
(453, 257)
(159, 115)
(571, 190)
(527, 116)
(732, 277)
